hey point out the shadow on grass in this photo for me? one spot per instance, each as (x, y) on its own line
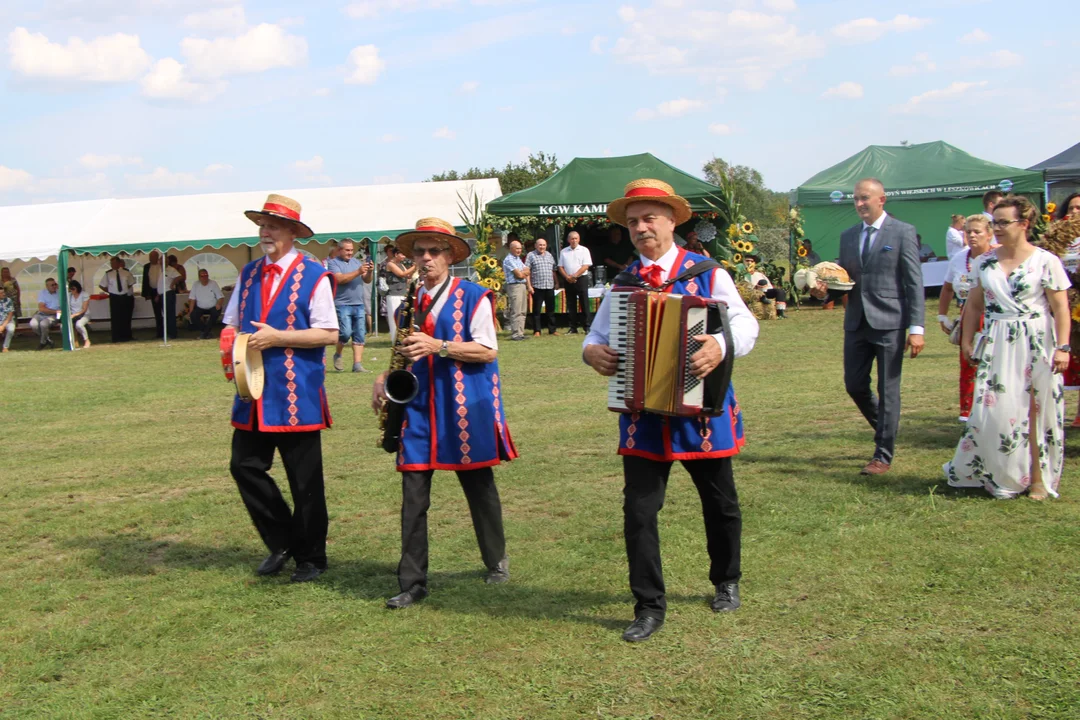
(460, 592)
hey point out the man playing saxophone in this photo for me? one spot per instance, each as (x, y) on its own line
(456, 420)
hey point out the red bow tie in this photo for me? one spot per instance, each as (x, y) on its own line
(652, 275)
(269, 270)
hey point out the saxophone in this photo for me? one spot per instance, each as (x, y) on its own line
(401, 384)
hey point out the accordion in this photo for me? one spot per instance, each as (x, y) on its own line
(653, 334)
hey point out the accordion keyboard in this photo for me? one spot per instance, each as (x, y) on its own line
(621, 321)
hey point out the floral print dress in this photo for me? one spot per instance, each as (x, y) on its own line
(994, 451)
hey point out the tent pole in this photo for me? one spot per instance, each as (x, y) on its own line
(164, 306)
(65, 310)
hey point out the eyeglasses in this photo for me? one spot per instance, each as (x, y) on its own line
(1005, 223)
(432, 251)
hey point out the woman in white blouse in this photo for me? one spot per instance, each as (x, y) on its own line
(79, 307)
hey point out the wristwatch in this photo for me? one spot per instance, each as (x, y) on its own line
(1064, 348)
(444, 351)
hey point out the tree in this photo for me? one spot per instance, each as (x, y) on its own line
(515, 176)
(760, 205)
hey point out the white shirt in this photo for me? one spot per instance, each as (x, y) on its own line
(320, 306)
(164, 284)
(570, 259)
(77, 304)
(481, 324)
(756, 277)
(744, 326)
(109, 282)
(959, 275)
(954, 242)
(206, 296)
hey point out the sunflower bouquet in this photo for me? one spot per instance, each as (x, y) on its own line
(488, 272)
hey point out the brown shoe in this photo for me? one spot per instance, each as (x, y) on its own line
(554, 332)
(536, 334)
(875, 467)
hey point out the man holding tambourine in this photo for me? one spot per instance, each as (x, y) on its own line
(278, 322)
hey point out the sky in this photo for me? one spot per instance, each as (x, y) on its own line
(132, 98)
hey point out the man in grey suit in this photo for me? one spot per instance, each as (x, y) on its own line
(881, 255)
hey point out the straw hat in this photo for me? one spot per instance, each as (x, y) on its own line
(283, 208)
(435, 229)
(649, 190)
(834, 277)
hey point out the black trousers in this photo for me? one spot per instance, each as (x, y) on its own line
(862, 348)
(547, 299)
(643, 497)
(170, 313)
(484, 506)
(578, 291)
(204, 319)
(121, 307)
(303, 529)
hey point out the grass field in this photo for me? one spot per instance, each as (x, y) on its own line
(128, 588)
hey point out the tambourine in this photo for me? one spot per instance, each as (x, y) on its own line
(242, 365)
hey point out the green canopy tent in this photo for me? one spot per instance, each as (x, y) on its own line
(925, 184)
(586, 185)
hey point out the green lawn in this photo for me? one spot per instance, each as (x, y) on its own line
(128, 588)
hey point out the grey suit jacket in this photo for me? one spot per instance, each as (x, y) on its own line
(888, 290)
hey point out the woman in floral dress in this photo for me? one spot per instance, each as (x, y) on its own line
(1018, 386)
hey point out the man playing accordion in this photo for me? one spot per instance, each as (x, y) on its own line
(649, 442)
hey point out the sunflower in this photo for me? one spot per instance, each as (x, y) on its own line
(747, 228)
(496, 285)
(748, 247)
(737, 257)
(801, 252)
(726, 264)
(733, 230)
(492, 263)
(1046, 218)
(482, 260)
(1051, 207)
(1076, 314)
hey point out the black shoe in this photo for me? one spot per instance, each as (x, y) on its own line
(499, 574)
(571, 332)
(642, 628)
(49, 342)
(273, 563)
(410, 597)
(306, 572)
(727, 598)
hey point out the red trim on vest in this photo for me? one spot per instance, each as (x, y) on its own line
(265, 311)
(686, 456)
(281, 210)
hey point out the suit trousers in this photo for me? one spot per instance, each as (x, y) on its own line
(643, 497)
(170, 313)
(484, 506)
(121, 307)
(861, 348)
(205, 319)
(546, 298)
(155, 304)
(578, 291)
(517, 297)
(303, 529)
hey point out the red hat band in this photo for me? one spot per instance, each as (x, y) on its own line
(647, 192)
(281, 210)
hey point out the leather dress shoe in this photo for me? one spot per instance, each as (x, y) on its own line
(499, 574)
(273, 563)
(306, 572)
(876, 466)
(642, 628)
(726, 598)
(410, 597)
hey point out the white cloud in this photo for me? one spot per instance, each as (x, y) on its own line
(311, 171)
(920, 63)
(781, 5)
(96, 184)
(217, 20)
(106, 59)
(369, 9)
(596, 45)
(719, 42)
(720, 129)
(865, 30)
(12, 178)
(627, 13)
(930, 98)
(975, 36)
(848, 90)
(470, 86)
(168, 80)
(669, 108)
(321, 92)
(163, 179)
(100, 162)
(389, 138)
(364, 65)
(263, 47)
(997, 60)
(444, 133)
(217, 168)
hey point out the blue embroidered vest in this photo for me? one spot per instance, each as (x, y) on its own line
(294, 397)
(659, 437)
(456, 421)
